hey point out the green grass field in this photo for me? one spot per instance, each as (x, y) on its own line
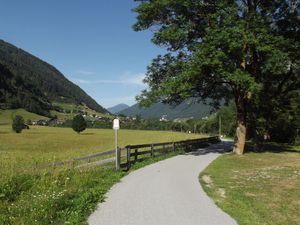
(257, 188)
(64, 196)
(43, 145)
(6, 116)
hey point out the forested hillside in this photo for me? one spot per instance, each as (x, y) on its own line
(30, 83)
(187, 109)
(118, 108)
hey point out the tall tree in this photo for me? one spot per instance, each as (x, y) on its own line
(221, 49)
(79, 124)
(18, 124)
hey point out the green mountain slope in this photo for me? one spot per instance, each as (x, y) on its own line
(16, 92)
(25, 77)
(117, 108)
(187, 109)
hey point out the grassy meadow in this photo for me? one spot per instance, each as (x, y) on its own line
(58, 197)
(64, 196)
(6, 116)
(257, 188)
(43, 145)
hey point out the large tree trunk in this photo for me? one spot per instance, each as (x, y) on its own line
(240, 138)
(240, 135)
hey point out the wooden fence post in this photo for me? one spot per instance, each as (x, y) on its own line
(128, 157)
(152, 151)
(135, 154)
(174, 149)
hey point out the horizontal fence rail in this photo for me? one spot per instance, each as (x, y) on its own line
(88, 159)
(133, 153)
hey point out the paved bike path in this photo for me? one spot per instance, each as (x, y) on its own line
(165, 193)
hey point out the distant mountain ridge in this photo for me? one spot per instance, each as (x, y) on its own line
(117, 108)
(187, 109)
(30, 83)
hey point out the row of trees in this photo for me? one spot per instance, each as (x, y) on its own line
(247, 51)
(285, 128)
(78, 124)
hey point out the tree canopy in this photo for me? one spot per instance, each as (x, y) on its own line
(245, 50)
(79, 124)
(18, 124)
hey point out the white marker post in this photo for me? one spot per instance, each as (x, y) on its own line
(116, 127)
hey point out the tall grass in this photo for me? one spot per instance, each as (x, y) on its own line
(56, 196)
(44, 145)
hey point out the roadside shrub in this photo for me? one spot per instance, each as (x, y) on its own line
(79, 124)
(18, 124)
(12, 189)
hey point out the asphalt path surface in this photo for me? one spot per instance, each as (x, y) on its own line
(164, 193)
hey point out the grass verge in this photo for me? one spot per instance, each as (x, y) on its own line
(257, 188)
(65, 197)
(54, 196)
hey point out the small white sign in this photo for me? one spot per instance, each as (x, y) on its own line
(116, 124)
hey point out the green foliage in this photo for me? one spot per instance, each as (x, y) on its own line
(79, 124)
(210, 124)
(30, 83)
(15, 92)
(18, 124)
(277, 115)
(246, 51)
(13, 188)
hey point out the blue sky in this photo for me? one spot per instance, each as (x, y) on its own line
(90, 41)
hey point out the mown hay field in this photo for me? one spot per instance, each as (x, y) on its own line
(44, 145)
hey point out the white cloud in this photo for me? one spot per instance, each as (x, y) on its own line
(126, 79)
(134, 79)
(81, 81)
(85, 72)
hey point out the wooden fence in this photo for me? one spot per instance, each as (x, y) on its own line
(133, 153)
(136, 153)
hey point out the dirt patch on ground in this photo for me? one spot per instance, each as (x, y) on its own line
(207, 180)
(221, 192)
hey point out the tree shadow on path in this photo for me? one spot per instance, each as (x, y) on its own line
(222, 147)
(226, 146)
(271, 147)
